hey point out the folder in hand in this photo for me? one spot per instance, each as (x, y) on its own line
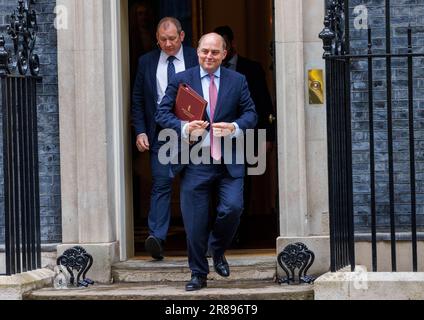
(189, 105)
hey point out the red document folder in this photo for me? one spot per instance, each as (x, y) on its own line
(189, 106)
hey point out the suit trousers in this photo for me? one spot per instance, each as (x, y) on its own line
(160, 200)
(196, 186)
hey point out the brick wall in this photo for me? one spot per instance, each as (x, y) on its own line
(48, 121)
(403, 13)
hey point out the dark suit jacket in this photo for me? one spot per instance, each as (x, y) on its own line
(145, 95)
(258, 87)
(234, 105)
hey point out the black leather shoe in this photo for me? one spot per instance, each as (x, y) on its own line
(196, 283)
(221, 266)
(154, 247)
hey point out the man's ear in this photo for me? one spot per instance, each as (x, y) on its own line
(182, 36)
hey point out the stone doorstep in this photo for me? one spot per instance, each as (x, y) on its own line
(216, 290)
(15, 286)
(175, 269)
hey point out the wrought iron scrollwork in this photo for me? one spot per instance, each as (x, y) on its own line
(22, 31)
(77, 259)
(296, 256)
(333, 35)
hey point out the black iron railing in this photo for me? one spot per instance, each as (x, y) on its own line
(336, 41)
(18, 97)
(336, 45)
(20, 168)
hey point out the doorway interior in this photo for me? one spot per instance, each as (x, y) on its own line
(253, 26)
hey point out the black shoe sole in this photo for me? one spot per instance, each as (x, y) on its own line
(195, 289)
(154, 248)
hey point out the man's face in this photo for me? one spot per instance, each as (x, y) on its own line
(211, 53)
(169, 40)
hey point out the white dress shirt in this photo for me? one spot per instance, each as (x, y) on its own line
(206, 81)
(162, 71)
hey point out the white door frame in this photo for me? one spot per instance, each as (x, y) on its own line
(121, 129)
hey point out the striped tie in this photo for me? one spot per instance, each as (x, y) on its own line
(171, 68)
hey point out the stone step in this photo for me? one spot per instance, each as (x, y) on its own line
(216, 290)
(175, 269)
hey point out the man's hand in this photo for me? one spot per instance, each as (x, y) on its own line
(197, 128)
(223, 129)
(143, 142)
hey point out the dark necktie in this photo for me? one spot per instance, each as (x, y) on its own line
(171, 68)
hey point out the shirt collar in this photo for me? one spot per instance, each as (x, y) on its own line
(203, 73)
(179, 56)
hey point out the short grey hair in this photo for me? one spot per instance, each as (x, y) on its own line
(165, 22)
(224, 43)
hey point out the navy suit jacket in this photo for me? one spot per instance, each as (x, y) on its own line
(145, 97)
(234, 105)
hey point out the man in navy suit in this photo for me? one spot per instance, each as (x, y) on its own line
(155, 71)
(230, 112)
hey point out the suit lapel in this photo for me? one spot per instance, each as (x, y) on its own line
(196, 84)
(223, 88)
(153, 71)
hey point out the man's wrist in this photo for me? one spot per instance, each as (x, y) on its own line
(236, 131)
(186, 130)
